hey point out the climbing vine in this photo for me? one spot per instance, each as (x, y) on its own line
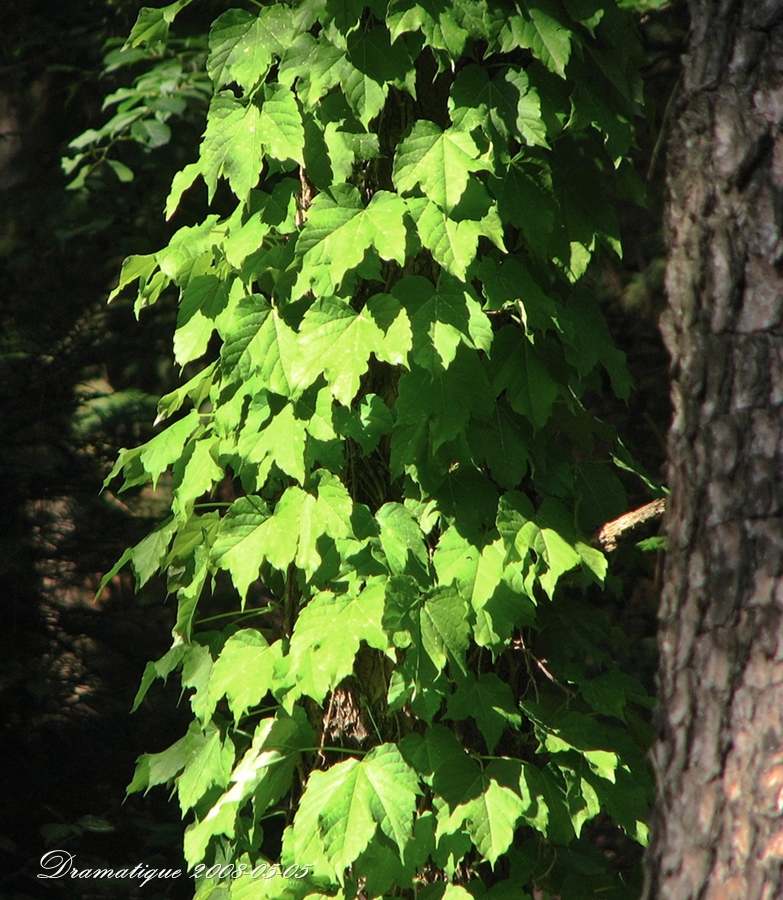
(385, 442)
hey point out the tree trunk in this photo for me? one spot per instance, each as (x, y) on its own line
(718, 827)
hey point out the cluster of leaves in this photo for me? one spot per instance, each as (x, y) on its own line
(173, 82)
(391, 358)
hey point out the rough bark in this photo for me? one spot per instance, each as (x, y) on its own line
(718, 830)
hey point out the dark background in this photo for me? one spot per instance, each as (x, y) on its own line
(79, 380)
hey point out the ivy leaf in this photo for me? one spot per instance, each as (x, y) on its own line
(342, 807)
(502, 444)
(546, 806)
(445, 628)
(281, 440)
(433, 409)
(509, 281)
(435, 20)
(232, 146)
(364, 94)
(456, 560)
(196, 669)
(260, 342)
(526, 199)
(165, 448)
(240, 543)
(249, 534)
(335, 341)
(367, 424)
(402, 540)
(490, 702)
(264, 773)
(327, 636)
(530, 389)
(541, 32)
(280, 125)
(441, 318)
(452, 244)
(201, 471)
(197, 389)
(555, 542)
(243, 46)
(505, 106)
(182, 181)
(208, 762)
(203, 301)
(245, 238)
(345, 15)
(489, 815)
(159, 768)
(340, 230)
(242, 672)
(372, 53)
(148, 555)
(315, 64)
(388, 315)
(380, 867)
(152, 25)
(438, 161)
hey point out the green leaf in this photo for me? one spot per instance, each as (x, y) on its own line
(342, 807)
(241, 541)
(444, 628)
(388, 315)
(162, 668)
(281, 440)
(441, 318)
(367, 424)
(166, 448)
(242, 672)
(197, 389)
(123, 173)
(148, 555)
(159, 768)
(243, 46)
(373, 54)
(249, 534)
(402, 540)
(133, 269)
(201, 471)
(335, 341)
(208, 762)
(530, 389)
(490, 702)
(452, 244)
(438, 161)
(152, 25)
(364, 94)
(315, 64)
(327, 636)
(203, 301)
(264, 773)
(505, 106)
(434, 409)
(437, 22)
(340, 230)
(546, 806)
(456, 560)
(526, 199)
(260, 342)
(280, 124)
(542, 33)
(489, 814)
(232, 146)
